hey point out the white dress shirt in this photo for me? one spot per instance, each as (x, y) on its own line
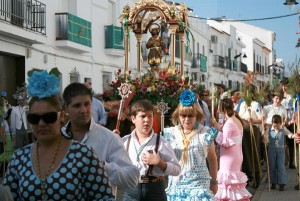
(165, 152)
(109, 148)
(271, 110)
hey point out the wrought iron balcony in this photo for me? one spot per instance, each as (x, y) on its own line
(235, 65)
(199, 61)
(114, 37)
(28, 14)
(228, 63)
(218, 61)
(72, 28)
(244, 68)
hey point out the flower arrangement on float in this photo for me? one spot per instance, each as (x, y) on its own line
(165, 85)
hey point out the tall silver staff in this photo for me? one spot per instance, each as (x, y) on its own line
(163, 108)
(124, 91)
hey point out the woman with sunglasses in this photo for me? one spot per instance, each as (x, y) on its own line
(193, 143)
(54, 167)
(231, 181)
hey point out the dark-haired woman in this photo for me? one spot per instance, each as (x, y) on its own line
(54, 167)
(231, 181)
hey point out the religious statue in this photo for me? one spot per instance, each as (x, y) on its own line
(157, 46)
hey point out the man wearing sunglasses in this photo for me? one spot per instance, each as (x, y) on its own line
(109, 148)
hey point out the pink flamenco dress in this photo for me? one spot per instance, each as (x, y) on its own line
(231, 181)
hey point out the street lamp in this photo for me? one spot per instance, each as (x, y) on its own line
(273, 69)
(290, 4)
(240, 54)
(298, 43)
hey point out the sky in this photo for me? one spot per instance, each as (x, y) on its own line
(285, 28)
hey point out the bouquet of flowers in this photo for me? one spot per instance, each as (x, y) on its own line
(166, 85)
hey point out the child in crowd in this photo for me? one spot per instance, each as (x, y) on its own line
(151, 153)
(275, 136)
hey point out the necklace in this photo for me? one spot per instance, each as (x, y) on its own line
(186, 142)
(51, 164)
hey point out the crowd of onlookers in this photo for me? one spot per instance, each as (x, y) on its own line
(67, 146)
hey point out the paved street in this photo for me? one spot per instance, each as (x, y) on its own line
(289, 193)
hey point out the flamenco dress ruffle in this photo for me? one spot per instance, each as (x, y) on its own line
(232, 186)
(191, 194)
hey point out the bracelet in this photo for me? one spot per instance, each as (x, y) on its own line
(213, 182)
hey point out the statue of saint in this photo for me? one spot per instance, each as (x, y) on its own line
(157, 46)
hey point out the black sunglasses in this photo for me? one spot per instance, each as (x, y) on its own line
(186, 116)
(48, 118)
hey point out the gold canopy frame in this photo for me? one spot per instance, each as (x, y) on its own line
(143, 14)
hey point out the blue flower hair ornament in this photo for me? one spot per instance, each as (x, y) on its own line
(187, 98)
(42, 84)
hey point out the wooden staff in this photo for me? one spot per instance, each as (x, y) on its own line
(298, 131)
(266, 150)
(295, 145)
(295, 149)
(213, 90)
(254, 150)
(124, 92)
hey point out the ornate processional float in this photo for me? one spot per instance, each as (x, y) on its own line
(157, 84)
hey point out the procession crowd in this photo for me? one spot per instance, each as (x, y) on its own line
(75, 152)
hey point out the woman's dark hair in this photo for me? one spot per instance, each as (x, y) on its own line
(228, 107)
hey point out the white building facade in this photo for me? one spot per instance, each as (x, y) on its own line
(84, 41)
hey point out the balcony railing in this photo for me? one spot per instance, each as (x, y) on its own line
(72, 28)
(28, 14)
(218, 61)
(203, 63)
(114, 37)
(199, 61)
(258, 68)
(235, 65)
(244, 68)
(228, 63)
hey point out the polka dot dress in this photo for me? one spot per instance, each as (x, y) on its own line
(193, 182)
(80, 176)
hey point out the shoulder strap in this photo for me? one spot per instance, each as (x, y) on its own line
(128, 143)
(149, 171)
(157, 142)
